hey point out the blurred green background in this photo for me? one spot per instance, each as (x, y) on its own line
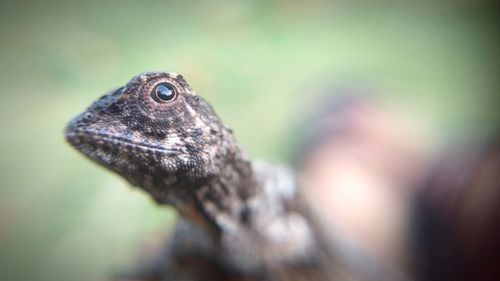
(260, 63)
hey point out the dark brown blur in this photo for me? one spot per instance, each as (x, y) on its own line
(457, 215)
(399, 200)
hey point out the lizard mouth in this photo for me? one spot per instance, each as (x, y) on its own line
(107, 141)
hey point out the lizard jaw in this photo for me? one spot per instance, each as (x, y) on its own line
(76, 138)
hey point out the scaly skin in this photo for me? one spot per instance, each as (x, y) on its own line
(180, 153)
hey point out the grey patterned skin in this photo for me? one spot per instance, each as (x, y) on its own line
(180, 153)
(171, 149)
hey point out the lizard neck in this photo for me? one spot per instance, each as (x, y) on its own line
(220, 203)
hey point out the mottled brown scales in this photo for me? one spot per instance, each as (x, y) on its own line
(162, 137)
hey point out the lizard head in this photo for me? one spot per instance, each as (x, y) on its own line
(156, 133)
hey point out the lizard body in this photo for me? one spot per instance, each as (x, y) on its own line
(159, 135)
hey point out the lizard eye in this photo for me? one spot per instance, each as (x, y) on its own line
(164, 92)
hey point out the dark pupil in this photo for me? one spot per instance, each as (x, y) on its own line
(165, 92)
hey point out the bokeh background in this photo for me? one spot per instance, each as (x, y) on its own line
(262, 64)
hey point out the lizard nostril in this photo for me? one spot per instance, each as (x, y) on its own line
(87, 115)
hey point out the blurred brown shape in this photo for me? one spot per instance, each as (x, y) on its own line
(458, 216)
(360, 165)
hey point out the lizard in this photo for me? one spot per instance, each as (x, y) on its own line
(160, 135)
